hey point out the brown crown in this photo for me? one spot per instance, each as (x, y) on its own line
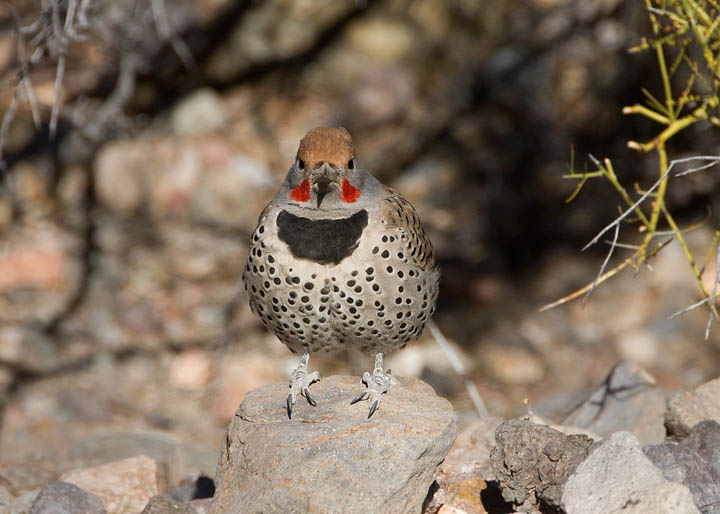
(333, 146)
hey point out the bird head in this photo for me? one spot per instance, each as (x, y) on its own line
(326, 176)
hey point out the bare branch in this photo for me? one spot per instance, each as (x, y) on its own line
(82, 13)
(4, 128)
(691, 307)
(69, 16)
(459, 369)
(627, 212)
(25, 82)
(59, 74)
(654, 186)
(714, 160)
(622, 245)
(604, 264)
(712, 295)
(163, 27)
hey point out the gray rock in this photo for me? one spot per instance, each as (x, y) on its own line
(618, 475)
(688, 408)
(627, 400)
(125, 486)
(331, 458)
(668, 498)
(532, 462)
(179, 459)
(704, 439)
(165, 504)
(63, 498)
(681, 464)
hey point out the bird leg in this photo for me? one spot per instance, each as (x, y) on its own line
(300, 381)
(377, 384)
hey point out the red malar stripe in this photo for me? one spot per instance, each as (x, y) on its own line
(302, 192)
(349, 192)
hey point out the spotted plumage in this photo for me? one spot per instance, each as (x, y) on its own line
(339, 260)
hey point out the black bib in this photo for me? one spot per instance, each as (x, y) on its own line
(322, 241)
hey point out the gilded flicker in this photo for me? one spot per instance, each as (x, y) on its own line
(339, 260)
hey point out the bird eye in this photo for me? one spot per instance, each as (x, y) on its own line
(351, 164)
(300, 164)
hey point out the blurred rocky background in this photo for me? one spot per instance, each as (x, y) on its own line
(142, 138)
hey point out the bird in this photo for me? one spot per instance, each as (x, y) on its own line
(337, 261)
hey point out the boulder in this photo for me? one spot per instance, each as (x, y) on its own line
(332, 458)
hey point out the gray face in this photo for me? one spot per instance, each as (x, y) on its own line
(328, 190)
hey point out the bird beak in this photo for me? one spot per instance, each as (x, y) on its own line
(323, 180)
(322, 185)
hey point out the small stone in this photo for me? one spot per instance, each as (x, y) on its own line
(628, 399)
(688, 408)
(331, 458)
(384, 39)
(31, 188)
(463, 474)
(64, 498)
(125, 486)
(704, 439)
(532, 462)
(616, 475)
(165, 504)
(681, 464)
(118, 180)
(640, 346)
(199, 113)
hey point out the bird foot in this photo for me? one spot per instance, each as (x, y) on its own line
(300, 381)
(377, 384)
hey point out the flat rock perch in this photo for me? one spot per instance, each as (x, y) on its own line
(331, 458)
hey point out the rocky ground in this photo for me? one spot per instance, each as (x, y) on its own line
(126, 344)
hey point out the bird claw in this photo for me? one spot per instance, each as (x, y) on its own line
(310, 399)
(377, 384)
(373, 408)
(360, 397)
(300, 381)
